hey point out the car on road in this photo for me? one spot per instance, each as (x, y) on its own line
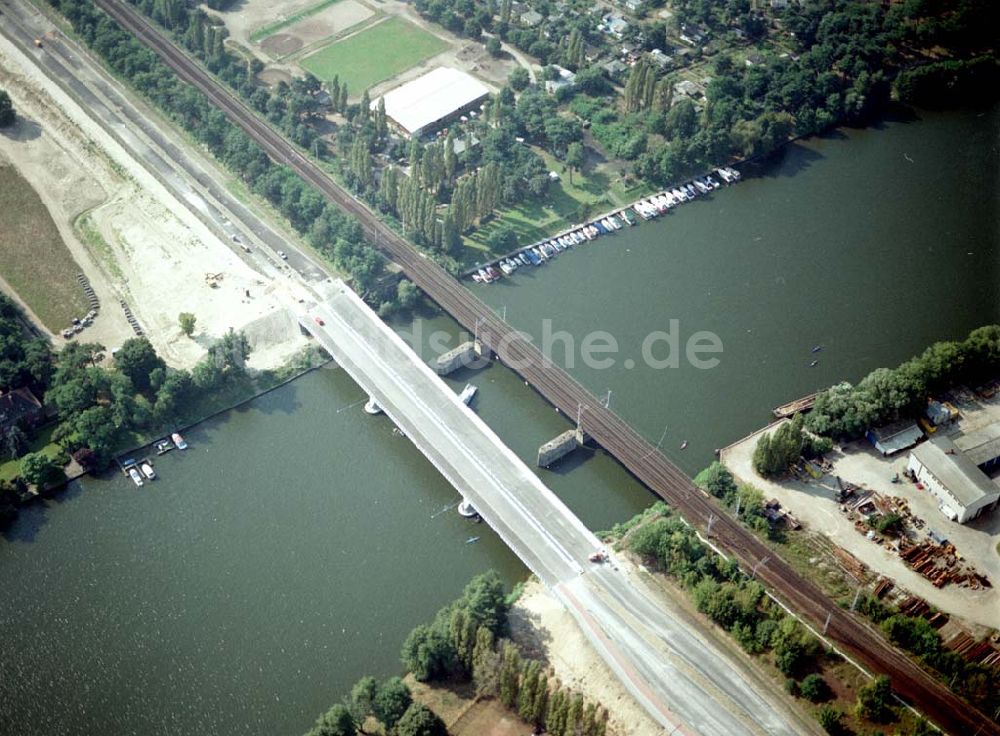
(319, 321)
(282, 255)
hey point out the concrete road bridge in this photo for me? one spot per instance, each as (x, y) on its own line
(682, 679)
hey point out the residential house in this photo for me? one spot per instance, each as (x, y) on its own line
(616, 26)
(566, 79)
(19, 407)
(662, 60)
(531, 18)
(688, 88)
(693, 35)
(615, 69)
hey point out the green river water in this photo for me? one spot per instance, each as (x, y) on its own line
(291, 549)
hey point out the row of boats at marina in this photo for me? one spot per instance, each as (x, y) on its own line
(647, 208)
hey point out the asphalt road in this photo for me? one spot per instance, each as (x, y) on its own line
(681, 678)
(850, 632)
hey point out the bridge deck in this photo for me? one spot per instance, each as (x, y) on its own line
(678, 675)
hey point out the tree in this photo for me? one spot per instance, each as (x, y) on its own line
(95, 428)
(40, 470)
(682, 119)
(15, 442)
(575, 158)
(485, 664)
(419, 720)
(510, 676)
(7, 113)
(829, 718)
(137, 359)
(171, 395)
(335, 722)
(717, 480)
(186, 320)
(526, 704)
(427, 653)
(502, 239)
(391, 701)
(363, 698)
(231, 352)
(814, 688)
(486, 602)
(519, 79)
(493, 46)
(891, 524)
(874, 700)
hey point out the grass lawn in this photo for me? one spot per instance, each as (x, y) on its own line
(373, 55)
(34, 260)
(271, 28)
(566, 203)
(42, 443)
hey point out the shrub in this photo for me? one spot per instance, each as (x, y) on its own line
(814, 688)
(829, 718)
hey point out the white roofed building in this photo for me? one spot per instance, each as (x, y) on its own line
(962, 490)
(432, 100)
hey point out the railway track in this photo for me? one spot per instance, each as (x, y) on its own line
(850, 632)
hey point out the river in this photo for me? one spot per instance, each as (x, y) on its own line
(291, 549)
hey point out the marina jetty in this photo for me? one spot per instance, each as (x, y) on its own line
(646, 208)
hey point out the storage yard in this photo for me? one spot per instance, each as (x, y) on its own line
(951, 566)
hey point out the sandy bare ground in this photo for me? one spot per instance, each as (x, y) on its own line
(249, 15)
(159, 252)
(332, 21)
(814, 503)
(548, 632)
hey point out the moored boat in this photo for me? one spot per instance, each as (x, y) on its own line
(147, 470)
(133, 473)
(179, 441)
(468, 393)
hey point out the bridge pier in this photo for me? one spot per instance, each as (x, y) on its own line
(372, 407)
(463, 356)
(561, 446)
(467, 510)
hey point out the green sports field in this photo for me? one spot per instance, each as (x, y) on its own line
(375, 54)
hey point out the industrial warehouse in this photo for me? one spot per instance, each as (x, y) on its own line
(431, 101)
